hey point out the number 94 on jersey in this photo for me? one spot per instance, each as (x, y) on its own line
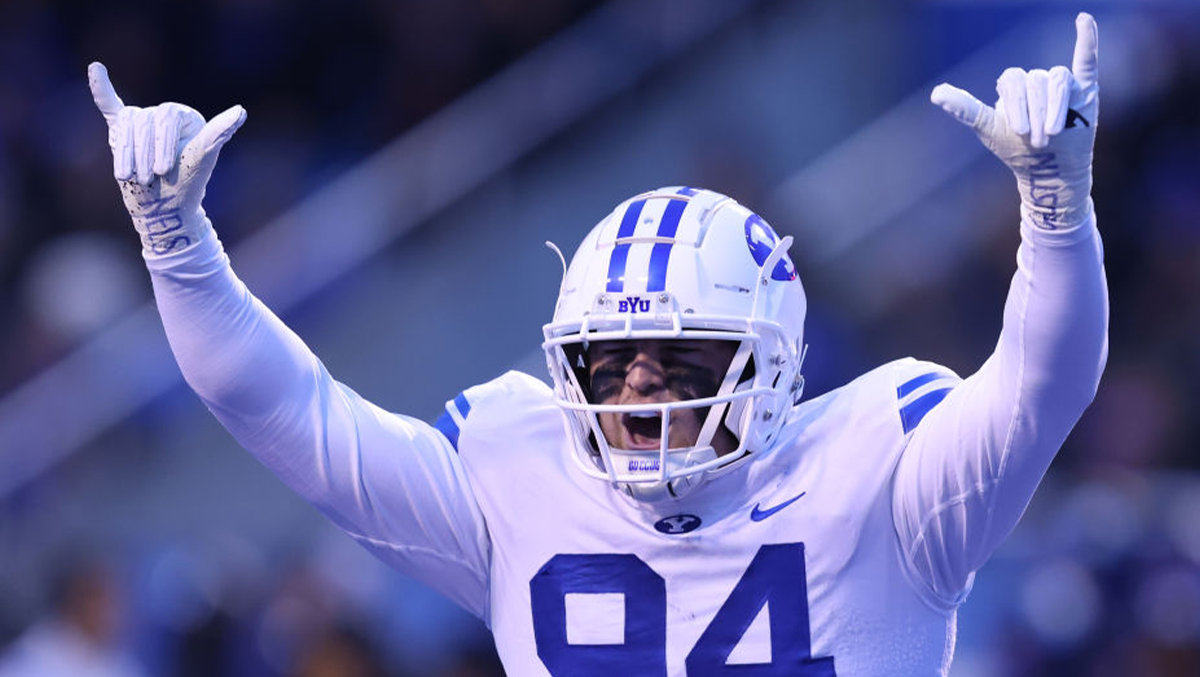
(774, 579)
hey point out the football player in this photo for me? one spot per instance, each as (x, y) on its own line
(672, 506)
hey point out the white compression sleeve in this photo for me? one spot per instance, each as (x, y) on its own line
(971, 466)
(392, 482)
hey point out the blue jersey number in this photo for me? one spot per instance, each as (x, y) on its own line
(642, 654)
(775, 575)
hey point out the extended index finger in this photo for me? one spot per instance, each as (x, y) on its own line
(103, 93)
(1083, 66)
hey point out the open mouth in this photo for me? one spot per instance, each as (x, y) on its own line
(643, 430)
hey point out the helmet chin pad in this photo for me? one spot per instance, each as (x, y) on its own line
(653, 492)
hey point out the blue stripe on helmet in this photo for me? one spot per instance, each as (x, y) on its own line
(620, 253)
(616, 268)
(670, 219)
(661, 254)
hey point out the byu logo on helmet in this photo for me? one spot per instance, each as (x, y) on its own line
(762, 239)
(633, 304)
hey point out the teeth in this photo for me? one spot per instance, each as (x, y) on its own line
(645, 414)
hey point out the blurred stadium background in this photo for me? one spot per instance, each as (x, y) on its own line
(401, 165)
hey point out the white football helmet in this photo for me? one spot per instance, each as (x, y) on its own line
(680, 263)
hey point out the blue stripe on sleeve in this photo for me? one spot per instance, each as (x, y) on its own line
(620, 253)
(911, 415)
(464, 407)
(661, 254)
(448, 427)
(916, 383)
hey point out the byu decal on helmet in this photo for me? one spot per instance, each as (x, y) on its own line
(680, 263)
(762, 241)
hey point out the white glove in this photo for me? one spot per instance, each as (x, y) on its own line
(1045, 133)
(162, 158)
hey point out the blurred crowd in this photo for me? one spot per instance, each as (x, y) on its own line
(170, 613)
(330, 81)
(1106, 565)
(1147, 198)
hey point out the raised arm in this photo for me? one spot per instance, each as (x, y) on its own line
(393, 483)
(972, 464)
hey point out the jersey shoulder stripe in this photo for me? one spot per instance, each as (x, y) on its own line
(510, 392)
(451, 421)
(920, 386)
(912, 414)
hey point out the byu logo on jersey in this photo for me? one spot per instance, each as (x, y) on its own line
(677, 524)
(633, 304)
(762, 239)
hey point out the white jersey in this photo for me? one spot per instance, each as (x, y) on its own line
(844, 550)
(805, 533)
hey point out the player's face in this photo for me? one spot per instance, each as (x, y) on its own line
(657, 371)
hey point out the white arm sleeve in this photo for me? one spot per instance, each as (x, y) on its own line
(392, 482)
(972, 464)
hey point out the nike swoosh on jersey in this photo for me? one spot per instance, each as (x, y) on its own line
(760, 515)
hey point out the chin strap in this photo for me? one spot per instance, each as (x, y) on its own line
(798, 385)
(737, 366)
